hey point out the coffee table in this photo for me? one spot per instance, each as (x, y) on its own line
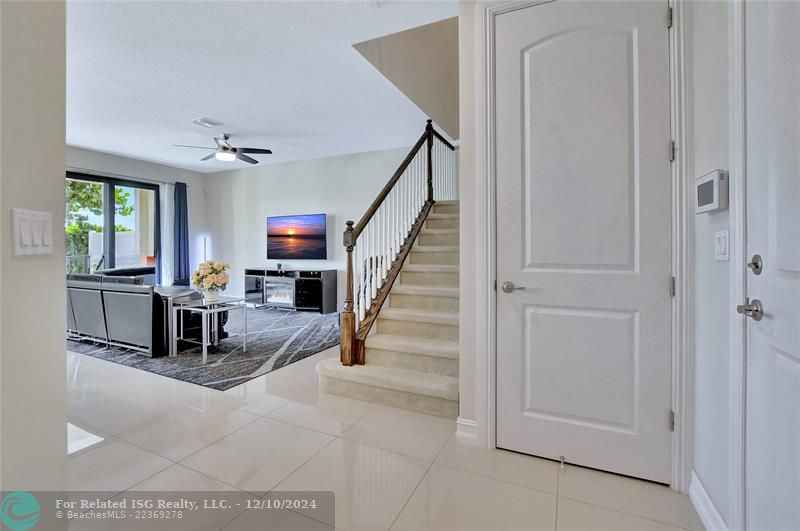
(208, 311)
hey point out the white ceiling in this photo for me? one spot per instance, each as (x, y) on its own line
(281, 75)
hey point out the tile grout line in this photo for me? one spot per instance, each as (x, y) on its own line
(558, 496)
(215, 441)
(618, 511)
(191, 454)
(421, 479)
(453, 467)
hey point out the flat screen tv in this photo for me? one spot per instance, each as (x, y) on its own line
(297, 237)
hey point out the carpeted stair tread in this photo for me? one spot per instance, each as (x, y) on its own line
(433, 385)
(420, 316)
(425, 290)
(435, 248)
(440, 231)
(440, 348)
(430, 268)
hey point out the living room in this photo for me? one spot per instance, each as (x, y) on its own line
(399, 265)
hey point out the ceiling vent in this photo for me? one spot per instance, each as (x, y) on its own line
(208, 123)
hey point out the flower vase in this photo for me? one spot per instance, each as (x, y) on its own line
(211, 295)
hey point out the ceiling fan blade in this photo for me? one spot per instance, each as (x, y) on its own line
(196, 147)
(209, 156)
(255, 150)
(242, 156)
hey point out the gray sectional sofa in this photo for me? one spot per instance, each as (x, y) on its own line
(116, 311)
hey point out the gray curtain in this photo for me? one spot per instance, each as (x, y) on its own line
(181, 240)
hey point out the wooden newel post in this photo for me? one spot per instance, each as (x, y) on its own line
(348, 322)
(429, 129)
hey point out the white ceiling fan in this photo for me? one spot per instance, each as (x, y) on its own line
(227, 153)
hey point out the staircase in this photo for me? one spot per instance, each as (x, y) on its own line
(399, 326)
(412, 357)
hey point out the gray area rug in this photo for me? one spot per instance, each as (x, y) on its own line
(275, 339)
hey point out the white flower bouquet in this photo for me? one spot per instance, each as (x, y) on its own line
(210, 278)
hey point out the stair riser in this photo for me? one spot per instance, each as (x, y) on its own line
(423, 302)
(417, 329)
(442, 223)
(444, 208)
(422, 278)
(438, 239)
(434, 258)
(391, 397)
(413, 362)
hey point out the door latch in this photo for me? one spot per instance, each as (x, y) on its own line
(754, 310)
(756, 264)
(508, 287)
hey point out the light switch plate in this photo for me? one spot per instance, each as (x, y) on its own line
(33, 232)
(721, 247)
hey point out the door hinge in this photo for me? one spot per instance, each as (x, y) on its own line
(671, 420)
(672, 286)
(672, 151)
(670, 15)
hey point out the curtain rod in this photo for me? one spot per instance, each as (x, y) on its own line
(118, 176)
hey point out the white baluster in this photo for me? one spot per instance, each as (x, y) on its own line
(420, 182)
(447, 172)
(397, 223)
(379, 250)
(370, 276)
(384, 243)
(444, 173)
(374, 254)
(437, 185)
(362, 278)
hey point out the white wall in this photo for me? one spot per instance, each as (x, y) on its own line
(467, 407)
(78, 159)
(239, 202)
(708, 130)
(422, 62)
(33, 415)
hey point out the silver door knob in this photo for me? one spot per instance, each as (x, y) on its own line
(508, 287)
(754, 310)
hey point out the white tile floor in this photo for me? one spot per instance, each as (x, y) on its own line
(388, 468)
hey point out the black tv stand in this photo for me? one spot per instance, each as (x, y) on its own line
(294, 289)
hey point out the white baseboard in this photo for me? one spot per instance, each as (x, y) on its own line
(704, 506)
(466, 429)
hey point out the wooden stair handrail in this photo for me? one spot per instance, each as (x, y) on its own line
(365, 219)
(444, 140)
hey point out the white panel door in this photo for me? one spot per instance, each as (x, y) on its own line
(773, 231)
(583, 225)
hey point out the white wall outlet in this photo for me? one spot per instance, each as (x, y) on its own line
(721, 247)
(33, 232)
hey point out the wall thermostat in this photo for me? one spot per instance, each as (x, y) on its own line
(711, 192)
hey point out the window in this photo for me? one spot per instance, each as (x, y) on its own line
(111, 223)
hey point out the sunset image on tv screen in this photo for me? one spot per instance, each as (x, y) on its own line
(296, 237)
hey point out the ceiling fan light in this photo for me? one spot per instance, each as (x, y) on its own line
(225, 156)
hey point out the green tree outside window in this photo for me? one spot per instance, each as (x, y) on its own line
(83, 197)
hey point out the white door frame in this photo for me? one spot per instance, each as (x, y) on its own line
(738, 255)
(682, 238)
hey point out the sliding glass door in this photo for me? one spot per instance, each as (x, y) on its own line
(111, 223)
(134, 227)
